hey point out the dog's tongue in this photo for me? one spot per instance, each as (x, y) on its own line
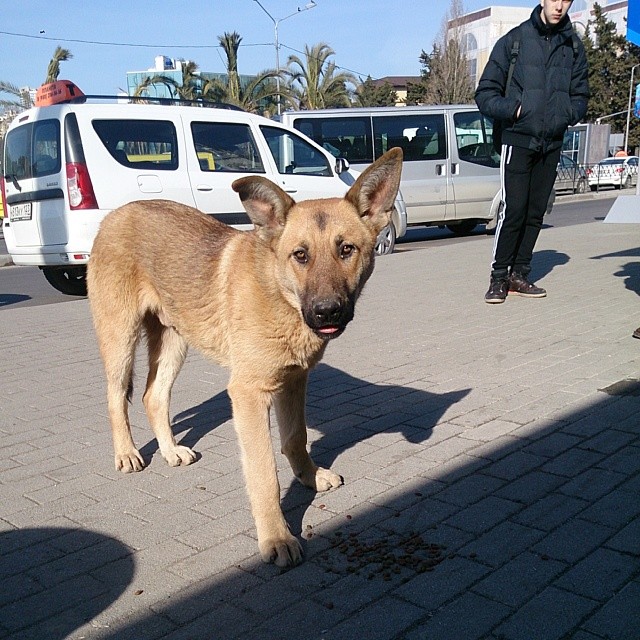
(329, 331)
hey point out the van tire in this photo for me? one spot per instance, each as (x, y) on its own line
(386, 242)
(72, 281)
(463, 228)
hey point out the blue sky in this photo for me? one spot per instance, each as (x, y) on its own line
(376, 37)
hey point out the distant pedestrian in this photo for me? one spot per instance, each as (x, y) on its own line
(548, 91)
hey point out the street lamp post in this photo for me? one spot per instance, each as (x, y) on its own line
(626, 132)
(609, 115)
(276, 22)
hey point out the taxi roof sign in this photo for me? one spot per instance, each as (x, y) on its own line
(55, 92)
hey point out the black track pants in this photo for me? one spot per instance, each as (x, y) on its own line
(527, 179)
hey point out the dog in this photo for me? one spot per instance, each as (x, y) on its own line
(263, 303)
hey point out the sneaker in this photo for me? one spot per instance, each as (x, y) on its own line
(519, 285)
(497, 292)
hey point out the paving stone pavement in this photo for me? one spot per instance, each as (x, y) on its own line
(490, 454)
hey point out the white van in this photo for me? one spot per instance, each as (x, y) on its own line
(67, 165)
(451, 173)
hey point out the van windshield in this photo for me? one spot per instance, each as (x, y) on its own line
(32, 150)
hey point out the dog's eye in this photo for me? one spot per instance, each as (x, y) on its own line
(347, 250)
(301, 256)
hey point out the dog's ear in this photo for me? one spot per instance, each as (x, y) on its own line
(376, 188)
(265, 202)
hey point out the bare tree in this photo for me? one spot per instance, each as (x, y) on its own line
(449, 81)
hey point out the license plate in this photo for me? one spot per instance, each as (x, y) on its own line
(20, 212)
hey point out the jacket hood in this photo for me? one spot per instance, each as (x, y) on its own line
(544, 29)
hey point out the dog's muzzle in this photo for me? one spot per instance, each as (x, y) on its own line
(328, 317)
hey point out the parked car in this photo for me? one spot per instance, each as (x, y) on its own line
(570, 176)
(68, 164)
(450, 174)
(619, 172)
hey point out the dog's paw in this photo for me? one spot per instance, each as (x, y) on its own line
(179, 456)
(129, 462)
(325, 479)
(283, 553)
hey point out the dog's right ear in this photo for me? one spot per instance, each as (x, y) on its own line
(266, 203)
(375, 190)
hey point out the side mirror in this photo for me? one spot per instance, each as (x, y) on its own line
(342, 165)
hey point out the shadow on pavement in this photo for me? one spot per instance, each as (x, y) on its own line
(54, 580)
(545, 261)
(631, 274)
(530, 537)
(533, 535)
(630, 271)
(7, 299)
(412, 413)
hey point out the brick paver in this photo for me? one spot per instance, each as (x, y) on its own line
(491, 459)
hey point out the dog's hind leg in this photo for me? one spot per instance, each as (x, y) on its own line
(167, 352)
(290, 411)
(117, 333)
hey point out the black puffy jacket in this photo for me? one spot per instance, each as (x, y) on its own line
(550, 83)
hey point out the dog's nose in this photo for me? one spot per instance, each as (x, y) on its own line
(327, 311)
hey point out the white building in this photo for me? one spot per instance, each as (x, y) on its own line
(616, 11)
(481, 31)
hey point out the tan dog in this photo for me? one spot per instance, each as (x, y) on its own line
(264, 303)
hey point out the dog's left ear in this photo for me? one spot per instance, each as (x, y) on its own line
(376, 188)
(266, 203)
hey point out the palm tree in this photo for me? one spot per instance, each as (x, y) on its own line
(253, 96)
(20, 100)
(256, 95)
(318, 84)
(230, 43)
(187, 89)
(53, 70)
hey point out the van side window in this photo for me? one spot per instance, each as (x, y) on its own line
(420, 136)
(226, 146)
(294, 155)
(140, 144)
(33, 150)
(348, 137)
(474, 144)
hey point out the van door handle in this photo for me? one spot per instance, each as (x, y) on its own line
(204, 187)
(441, 169)
(455, 169)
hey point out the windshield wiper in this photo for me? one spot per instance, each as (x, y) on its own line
(14, 180)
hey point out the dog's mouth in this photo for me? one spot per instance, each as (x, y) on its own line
(329, 332)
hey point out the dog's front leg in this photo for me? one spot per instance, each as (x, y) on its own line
(290, 411)
(251, 420)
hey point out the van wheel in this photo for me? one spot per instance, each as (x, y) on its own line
(386, 241)
(72, 281)
(463, 228)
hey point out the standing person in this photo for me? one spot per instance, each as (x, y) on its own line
(548, 91)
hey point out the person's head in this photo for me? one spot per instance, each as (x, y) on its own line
(554, 10)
